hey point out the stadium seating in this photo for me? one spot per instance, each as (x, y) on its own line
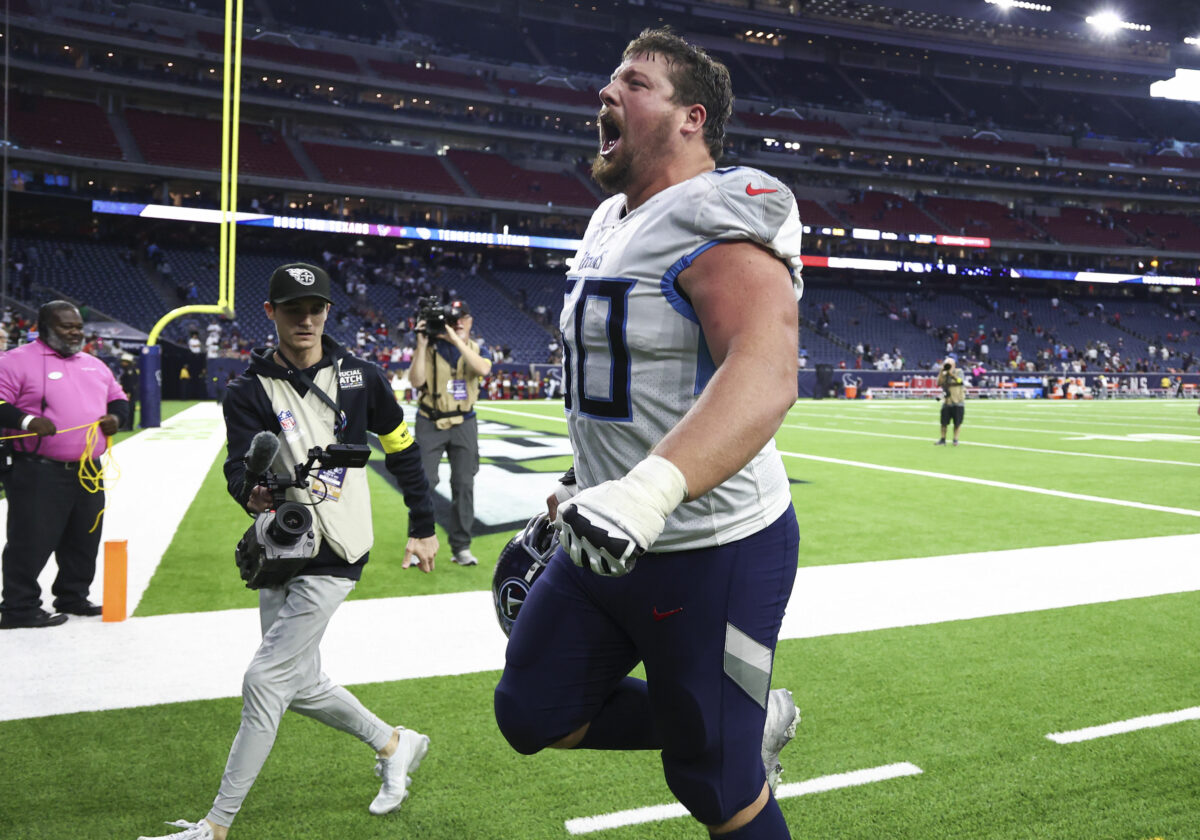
(98, 275)
(814, 213)
(492, 176)
(549, 93)
(886, 211)
(905, 92)
(1089, 155)
(426, 75)
(784, 125)
(63, 125)
(1006, 105)
(179, 140)
(1081, 226)
(971, 217)
(375, 167)
(1166, 231)
(282, 53)
(992, 147)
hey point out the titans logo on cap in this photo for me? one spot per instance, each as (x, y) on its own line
(302, 276)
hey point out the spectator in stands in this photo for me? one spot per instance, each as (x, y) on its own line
(950, 380)
(447, 371)
(46, 386)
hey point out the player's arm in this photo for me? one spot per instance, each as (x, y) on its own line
(746, 305)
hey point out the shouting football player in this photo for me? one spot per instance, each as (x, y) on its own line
(680, 548)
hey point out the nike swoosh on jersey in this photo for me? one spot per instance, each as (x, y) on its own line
(659, 616)
(753, 191)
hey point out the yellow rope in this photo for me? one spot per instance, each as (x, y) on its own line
(91, 473)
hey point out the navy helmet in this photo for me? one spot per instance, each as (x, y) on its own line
(520, 563)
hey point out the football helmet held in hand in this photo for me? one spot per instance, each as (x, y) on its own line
(521, 562)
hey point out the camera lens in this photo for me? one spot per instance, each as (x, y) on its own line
(292, 521)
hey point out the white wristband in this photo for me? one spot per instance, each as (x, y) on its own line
(659, 483)
(29, 418)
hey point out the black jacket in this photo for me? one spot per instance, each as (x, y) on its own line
(372, 408)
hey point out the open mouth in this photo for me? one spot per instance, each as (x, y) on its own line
(610, 133)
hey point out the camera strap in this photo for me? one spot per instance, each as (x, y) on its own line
(339, 422)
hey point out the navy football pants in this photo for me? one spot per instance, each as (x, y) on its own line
(705, 624)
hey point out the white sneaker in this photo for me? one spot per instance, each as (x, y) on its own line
(395, 768)
(780, 728)
(191, 831)
(465, 558)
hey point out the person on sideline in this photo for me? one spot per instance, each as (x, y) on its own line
(950, 380)
(447, 372)
(680, 548)
(310, 391)
(54, 394)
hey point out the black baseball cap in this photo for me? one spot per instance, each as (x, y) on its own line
(458, 308)
(298, 280)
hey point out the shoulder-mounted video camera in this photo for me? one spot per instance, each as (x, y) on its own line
(436, 315)
(282, 539)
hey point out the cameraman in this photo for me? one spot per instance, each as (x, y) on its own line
(950, 380)
(447, 373)
(312, 392)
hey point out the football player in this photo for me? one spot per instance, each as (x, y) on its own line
(680, 547)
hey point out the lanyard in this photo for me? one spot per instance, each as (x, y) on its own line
(339, 423)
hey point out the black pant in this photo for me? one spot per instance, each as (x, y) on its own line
(49, 511)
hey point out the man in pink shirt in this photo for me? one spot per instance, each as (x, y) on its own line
(45, 386)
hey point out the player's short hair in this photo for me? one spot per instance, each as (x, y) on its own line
(696, 76)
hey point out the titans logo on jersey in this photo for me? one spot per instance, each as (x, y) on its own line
(631, 339)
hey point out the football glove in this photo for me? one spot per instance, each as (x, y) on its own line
(609, 526)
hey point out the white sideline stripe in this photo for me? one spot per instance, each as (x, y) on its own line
(996, 446)
(147, 661)
(821, 784)
(1122, 726)
(1003, 485)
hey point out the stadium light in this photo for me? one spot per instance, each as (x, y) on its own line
(1195, 42)
(1109, 22)
(1019, 4)
(1185, 86)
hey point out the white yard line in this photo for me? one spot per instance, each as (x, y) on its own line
(1079, 428)
(1122, 726)
(995, 446)
(821, 784)
(195, 656)
(1003, 485)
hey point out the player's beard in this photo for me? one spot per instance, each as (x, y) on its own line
(630, 161)
(612, 173)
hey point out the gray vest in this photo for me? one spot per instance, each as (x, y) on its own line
(343, 515)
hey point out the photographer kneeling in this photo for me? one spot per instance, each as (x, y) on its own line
(310, 395)
(447, 372)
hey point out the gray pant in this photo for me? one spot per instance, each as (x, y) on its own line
(461, 445)
(285, 673)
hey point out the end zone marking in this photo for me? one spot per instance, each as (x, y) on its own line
(656, 813)
(1122, 726)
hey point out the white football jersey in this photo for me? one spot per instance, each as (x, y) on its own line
(635, 358)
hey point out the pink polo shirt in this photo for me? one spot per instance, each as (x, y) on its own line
(76, 390)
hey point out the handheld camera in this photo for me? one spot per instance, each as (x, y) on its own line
(435, 315)
(282, 539)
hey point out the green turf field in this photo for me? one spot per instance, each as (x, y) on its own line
(968, 702)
